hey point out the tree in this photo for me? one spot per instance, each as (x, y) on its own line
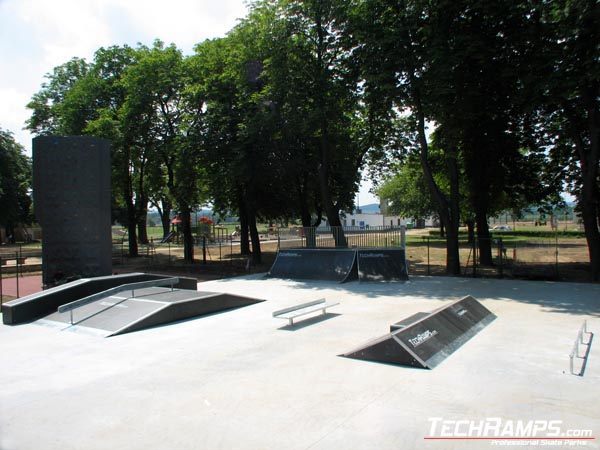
(567, 84)
(15, 183)
(46, 105)
(407, 193)
(82, 98)
(151, 116)
(396, 65)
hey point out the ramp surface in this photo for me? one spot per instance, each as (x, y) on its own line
(117, 314)
(430, 338)
(40, 304)
(315, 264)
(382, 265)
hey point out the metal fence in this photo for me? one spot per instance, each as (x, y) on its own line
(342, 237)
(551, 259)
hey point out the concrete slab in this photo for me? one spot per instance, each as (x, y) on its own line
(241, 380)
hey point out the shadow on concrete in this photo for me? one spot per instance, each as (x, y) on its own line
(308, 322)
(557, 297)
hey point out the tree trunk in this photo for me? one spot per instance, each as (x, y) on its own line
(165, 216)
(589, 205)
(449, 208)
(484, 241)
(331, 210)
(589, 159)
(131, 228)
(142, 215)
(254, 236)
(309, 231)
(188, 238)
(470, 231)
(244, 229)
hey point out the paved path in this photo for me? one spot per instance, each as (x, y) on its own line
(27, 285)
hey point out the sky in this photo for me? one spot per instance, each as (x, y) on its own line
(38, 35)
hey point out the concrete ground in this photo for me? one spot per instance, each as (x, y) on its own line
(245, 380)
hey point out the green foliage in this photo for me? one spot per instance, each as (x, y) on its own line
(15, 183)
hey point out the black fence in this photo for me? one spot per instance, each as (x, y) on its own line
(551, 259)
(342, 237)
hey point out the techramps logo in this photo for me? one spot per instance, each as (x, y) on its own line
(500, 432)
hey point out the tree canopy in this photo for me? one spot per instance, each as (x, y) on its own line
(15, 183)
(486, 105)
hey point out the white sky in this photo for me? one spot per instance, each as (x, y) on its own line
(38, 35)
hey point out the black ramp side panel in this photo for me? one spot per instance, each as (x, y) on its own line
(31, 307)
(152, 306)
(382, 265)
(385, 349)
(315, 264)
(430, 338)
(203, 304)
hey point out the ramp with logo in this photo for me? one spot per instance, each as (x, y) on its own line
(138, 306)
(315, 264)
(382, 265)
(425, 339)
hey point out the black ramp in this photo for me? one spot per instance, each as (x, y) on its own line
(431, 338)
(31, 307)
(205, 303)
(315, 264)
(382, 265)
(121, 313)
(386, 349)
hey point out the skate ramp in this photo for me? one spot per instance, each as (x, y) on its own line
(315, 264)
(429, 338)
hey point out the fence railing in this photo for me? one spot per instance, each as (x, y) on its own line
(352, 237)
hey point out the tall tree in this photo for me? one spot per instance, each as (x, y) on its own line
(82, 98)
(567, 82)
(396, 60)
(15, 183)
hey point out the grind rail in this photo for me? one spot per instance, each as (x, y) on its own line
(69, 307)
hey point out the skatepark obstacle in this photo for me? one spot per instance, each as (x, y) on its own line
(425, 339)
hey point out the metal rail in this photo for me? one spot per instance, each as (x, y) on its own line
(575, 351)
(69, 307)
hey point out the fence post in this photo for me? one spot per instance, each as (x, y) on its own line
(17, 272)
(474, 257)
(501, 255)
(426, 238)
(1, 293)
(204, 249)
(556, 251)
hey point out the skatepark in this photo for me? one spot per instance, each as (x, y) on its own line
(365, 357)
(243, 379)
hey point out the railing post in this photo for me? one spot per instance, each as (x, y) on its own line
(1, 294)
(501, 255)
(17, 271)
(475, 256)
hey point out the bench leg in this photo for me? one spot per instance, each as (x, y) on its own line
(290, 322)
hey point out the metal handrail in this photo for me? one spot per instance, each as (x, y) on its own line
(112, 291)
(575, 351)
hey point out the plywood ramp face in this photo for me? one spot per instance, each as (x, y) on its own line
(429, 338)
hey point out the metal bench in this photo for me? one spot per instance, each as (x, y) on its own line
(290, 314)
